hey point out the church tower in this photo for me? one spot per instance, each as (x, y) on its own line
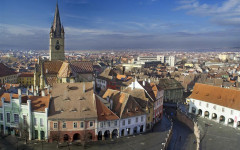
(56, 42)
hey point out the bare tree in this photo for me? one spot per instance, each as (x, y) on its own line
(24, 131)
(56, 135)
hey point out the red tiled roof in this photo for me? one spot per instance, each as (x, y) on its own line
(15, 96)
(221, 96)
(82, 66)
(26, 74)
(103, 112)
(39, 103)
(6, 71)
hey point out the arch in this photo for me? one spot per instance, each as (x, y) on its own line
(214, 116)
(206, 114)
(100, 135)
(141, 128)
(135, 130)
(114, 133)
(238, 124)
(193, 110)
(76, 137)
(107, 134)
(230, 121)
(128, 131)
(89, 136)
(65, 137)
(200, 112)
(222, 119)
(122, 132)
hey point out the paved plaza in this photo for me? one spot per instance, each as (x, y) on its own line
(216, 136)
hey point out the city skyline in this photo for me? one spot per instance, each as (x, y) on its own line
(144, 24)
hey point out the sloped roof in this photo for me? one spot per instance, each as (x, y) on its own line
(69, 101)
(82, 66)
(38, 103)
(221, 96)
(65, 70)
(52, 67)
(124, 105)
(14, 96)
(103, 112)
(26, 74)
(6, 71)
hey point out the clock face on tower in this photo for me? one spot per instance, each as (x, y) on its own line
(57, 46)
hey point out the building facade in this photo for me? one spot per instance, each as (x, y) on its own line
(24, 115)
(216, 103)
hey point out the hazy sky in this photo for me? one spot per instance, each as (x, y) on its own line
(122, 24)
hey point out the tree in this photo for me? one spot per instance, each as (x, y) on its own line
(24, 131)
(55, 136)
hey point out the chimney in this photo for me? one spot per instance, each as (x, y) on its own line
(35, 93)
(27, 91)
(43, 93)
(37, 89)
(111, 104)
(32, 88)
(19, 91)
(84, 87)
(48, 89)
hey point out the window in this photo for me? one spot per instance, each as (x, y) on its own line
(214, 107)
(1, 117)
(136, 119)
(55, 125)
(91, 123)
(41, 122)
(35, 121)
(64, 125)
(129, 121)
(115, 123)
(24, 119)
(142, 118)
(82, 124)
(123, 122)
(8, 117)
(16, 118)
(199, 103)
(222, 109)
(207, 105)
(109, 123)
(101, 124)
(75, 125)
(231, 112)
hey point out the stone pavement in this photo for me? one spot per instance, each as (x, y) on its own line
(215, 136)
(152, 140)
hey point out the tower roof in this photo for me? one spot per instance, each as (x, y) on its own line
(57, 27)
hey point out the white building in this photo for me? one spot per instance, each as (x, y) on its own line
(219, 104)
(171, 61)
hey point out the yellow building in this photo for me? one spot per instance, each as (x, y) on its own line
(26, 79)
(188, 65)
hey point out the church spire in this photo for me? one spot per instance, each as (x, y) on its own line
(57, 27)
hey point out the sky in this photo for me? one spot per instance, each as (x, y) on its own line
(122, 24)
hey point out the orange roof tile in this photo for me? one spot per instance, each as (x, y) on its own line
(103, 112)
(221, 96)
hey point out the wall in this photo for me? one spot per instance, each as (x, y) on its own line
(187, 120)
